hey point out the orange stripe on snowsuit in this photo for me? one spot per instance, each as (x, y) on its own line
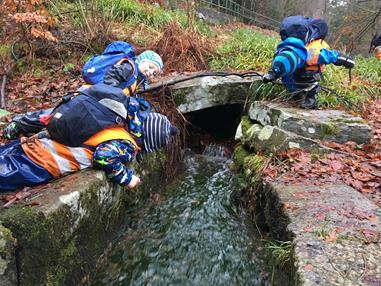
(66, 153)
(126, 91)
(314, 49)
(41, 156)
(59, 159)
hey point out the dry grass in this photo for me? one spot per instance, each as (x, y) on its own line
(163, 103)
(183, 50)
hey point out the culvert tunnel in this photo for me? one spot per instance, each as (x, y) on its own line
(216, 124)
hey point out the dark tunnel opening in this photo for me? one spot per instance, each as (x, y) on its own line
(213, 125)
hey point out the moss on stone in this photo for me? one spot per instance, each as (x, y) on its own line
(245, 123)
(253, 162)
(240, 153)
(252, 167)
(5, 239)
(328, 129)
(5, 51)
(179, 97)
(38, 241)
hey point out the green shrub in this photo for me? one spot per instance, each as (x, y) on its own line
(281, 251)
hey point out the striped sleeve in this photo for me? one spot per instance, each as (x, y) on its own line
(111, 156)
(285, 63)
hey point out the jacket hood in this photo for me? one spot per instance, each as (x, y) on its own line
(295, 45)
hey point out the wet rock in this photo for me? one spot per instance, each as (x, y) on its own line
(329, 125)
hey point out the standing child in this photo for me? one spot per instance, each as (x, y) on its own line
(301, 57)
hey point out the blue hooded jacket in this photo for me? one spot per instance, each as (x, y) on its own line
(290, 55)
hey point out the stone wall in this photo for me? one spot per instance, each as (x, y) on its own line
(335, 230)
(55, 236)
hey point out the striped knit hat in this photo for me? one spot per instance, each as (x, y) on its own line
(157, 130)
(152, 57)
(285, 63)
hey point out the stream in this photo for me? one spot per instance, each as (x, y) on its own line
(191, 233)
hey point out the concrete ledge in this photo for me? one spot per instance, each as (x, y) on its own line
(335, 230)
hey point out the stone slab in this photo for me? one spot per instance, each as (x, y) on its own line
(329, 125)
(271, 139)
(210, 91)
(335, 229)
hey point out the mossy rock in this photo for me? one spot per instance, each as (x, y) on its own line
(239, 155)
(252, 167)
(8, 270)
(60, 239)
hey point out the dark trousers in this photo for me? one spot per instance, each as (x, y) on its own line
(307, 83)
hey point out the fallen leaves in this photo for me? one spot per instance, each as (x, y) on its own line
(29, 93)
(356, 166)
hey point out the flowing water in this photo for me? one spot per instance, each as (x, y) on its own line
(191, 234)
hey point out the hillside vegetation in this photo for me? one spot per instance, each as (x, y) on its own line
(83, 28)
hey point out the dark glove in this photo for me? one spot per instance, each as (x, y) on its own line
(345, 61)
(11, 131)
(269, 77)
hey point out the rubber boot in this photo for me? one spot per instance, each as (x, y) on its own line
(309, 102)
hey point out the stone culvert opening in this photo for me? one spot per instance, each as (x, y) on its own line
(213, 125)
